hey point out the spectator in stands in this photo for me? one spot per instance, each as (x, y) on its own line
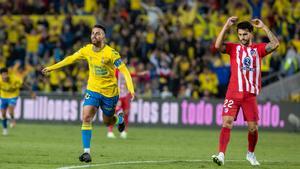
(209, 83)
(166, 93)
(170, 40)
(291, 64)
(256, 6)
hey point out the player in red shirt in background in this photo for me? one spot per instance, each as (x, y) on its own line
(245, 82)
(122, 105)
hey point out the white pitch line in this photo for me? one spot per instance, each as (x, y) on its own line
(132, 162)
(147, 162)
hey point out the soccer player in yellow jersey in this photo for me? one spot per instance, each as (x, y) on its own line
(102, 89)
(9, 91)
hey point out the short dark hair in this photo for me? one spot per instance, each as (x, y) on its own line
(101, 27)
(3, 70)
(245, 25)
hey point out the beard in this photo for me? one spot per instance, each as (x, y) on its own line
(245, 42)
(95, 42)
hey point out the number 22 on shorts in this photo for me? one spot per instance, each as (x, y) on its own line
(227, 104)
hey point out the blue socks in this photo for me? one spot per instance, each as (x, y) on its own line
(86, 133)
(119, 119)
(86, 138)
(4, 123)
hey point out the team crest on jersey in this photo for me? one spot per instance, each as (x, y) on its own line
(253, 53)
(104, 60)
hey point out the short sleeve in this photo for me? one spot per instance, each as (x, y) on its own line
(261, 49)
(229, 46)
(69, 59)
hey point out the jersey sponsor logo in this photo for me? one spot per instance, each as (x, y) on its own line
(100, 71)
(247, 64)
(247, 61)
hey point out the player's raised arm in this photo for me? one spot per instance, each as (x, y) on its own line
(18, 84)
(67, 61)
(274, 43)
(219, 45)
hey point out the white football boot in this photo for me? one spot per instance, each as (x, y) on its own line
(123, 135)
(218, 159)
(111, 135)
(252, 159)
(5, 132)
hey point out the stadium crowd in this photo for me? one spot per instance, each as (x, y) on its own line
(171, 40)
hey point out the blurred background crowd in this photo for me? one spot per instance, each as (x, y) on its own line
(171, 40)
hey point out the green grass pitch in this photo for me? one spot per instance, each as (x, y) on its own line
(39, 146)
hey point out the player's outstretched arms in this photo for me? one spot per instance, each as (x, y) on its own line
(219, 45)
(46, 70)
(67, 61)
(274, 43)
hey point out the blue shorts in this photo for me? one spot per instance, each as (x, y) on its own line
(107, 104)
(8, 102)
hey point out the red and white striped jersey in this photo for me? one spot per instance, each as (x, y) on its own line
(245, 63)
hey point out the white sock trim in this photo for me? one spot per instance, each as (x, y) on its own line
(86, 150)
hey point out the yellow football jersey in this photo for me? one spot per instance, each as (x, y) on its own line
(102, 66)
(10, 89)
